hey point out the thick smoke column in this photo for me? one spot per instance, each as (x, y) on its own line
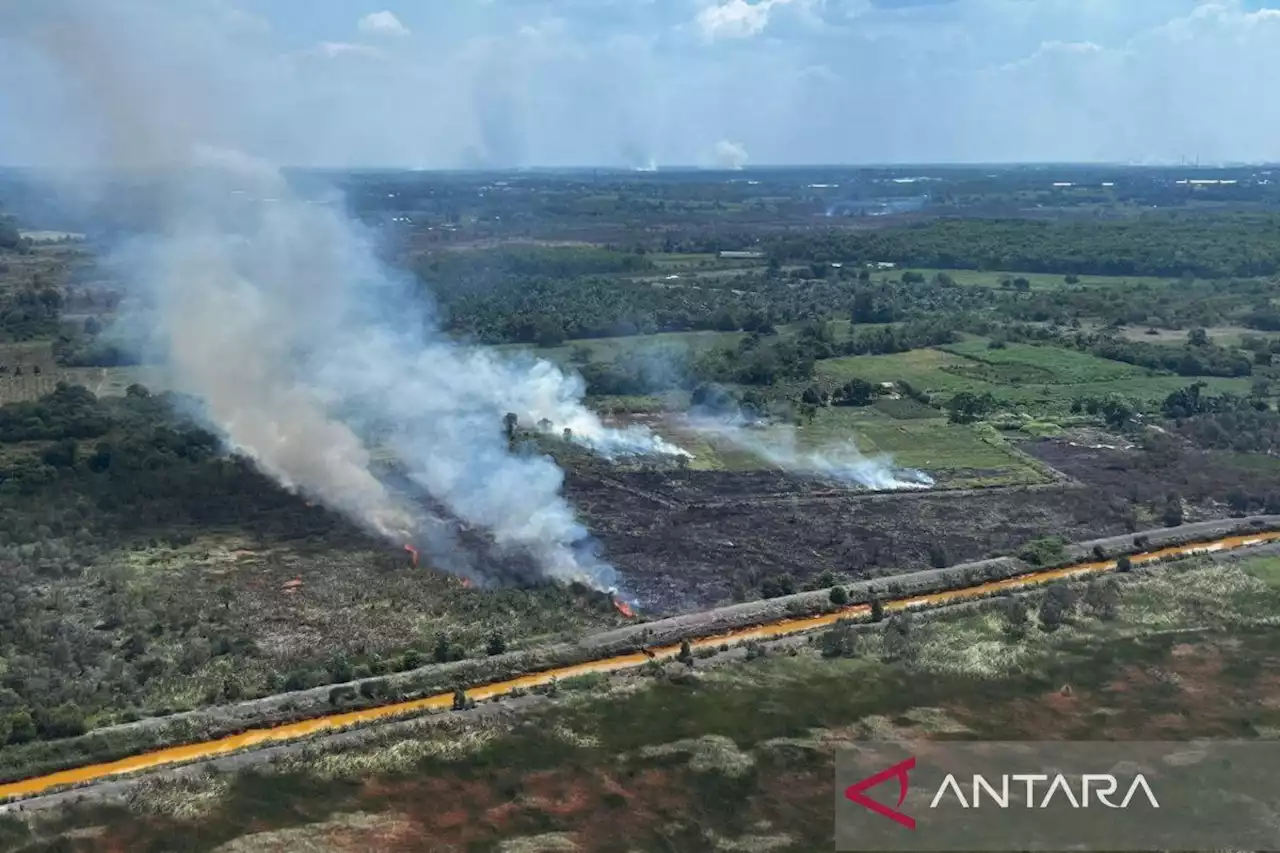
(272, 309)
(843, 462)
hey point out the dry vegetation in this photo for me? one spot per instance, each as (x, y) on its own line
(738, 757)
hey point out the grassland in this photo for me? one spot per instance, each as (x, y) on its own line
(1038, 281)
(739, 756)
(1045, 379)
(33, 372)
(960, 456)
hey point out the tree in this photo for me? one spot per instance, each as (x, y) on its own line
(838, 596)
(22, 728)
(509, 423)
(1014, 617)
(685, 655)
(497, 645)
(1056, 607)
(1198, 338)
(877, 610)
(1102, 598)
(967, 407)
(899, 638)
(1173, 513)
(777, 586)
(441, 652)
(460, 701)
(856, 392)
(1124, 564)
(838, 641)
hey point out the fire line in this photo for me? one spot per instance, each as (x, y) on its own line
(175, 755)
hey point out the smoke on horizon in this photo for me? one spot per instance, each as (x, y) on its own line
(730, 155)
(273, 310)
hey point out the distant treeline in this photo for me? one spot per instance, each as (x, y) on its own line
(1224, 246)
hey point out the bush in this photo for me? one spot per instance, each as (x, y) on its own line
(1056, 607)
(938, 556)
(839, 596)
(1014, 617)
(1124, 564)
(1040, 552)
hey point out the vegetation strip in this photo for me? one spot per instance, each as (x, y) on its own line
(443, 701)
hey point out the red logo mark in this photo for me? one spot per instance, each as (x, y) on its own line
(899, 771)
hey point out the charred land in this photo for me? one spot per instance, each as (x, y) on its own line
(151, 566)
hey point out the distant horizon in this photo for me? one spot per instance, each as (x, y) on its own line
(660, 168)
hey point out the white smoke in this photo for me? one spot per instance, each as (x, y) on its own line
(274, 311)
(730, 155)
(844, 462)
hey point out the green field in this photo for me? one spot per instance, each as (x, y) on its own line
(958, 456)
(1066, 375)
(1024, 363)
(1038, 281)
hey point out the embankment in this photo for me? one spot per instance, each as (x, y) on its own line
(612, 651)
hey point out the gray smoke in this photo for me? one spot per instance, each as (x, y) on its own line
(843, 462)
(273, 310)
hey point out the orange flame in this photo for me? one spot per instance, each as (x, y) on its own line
(624, 608)
(466, 582)
(412, 550)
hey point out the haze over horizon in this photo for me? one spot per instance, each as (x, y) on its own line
(710, 83)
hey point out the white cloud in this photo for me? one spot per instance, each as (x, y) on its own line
(337, 49)
(382, 23)
(574, 82)
(736, 18)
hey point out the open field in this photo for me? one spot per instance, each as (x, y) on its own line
(687, 758)
(32, 372)
(1041, 374)
(1025, 364)
(956, 456)
(1038, 281)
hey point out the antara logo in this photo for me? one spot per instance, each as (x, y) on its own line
(1104, 786)
(1100, 786)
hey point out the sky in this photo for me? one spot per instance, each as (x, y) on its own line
(510, 83)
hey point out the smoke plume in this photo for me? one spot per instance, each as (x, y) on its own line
(273, 310)
(730, 155)
(843, 462)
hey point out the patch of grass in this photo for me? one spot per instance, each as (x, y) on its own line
(1047, 364)
(1041, 281)
(930, 444)
(1264, 568)
(945, 374)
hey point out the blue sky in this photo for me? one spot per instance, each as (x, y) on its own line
(452, 83)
